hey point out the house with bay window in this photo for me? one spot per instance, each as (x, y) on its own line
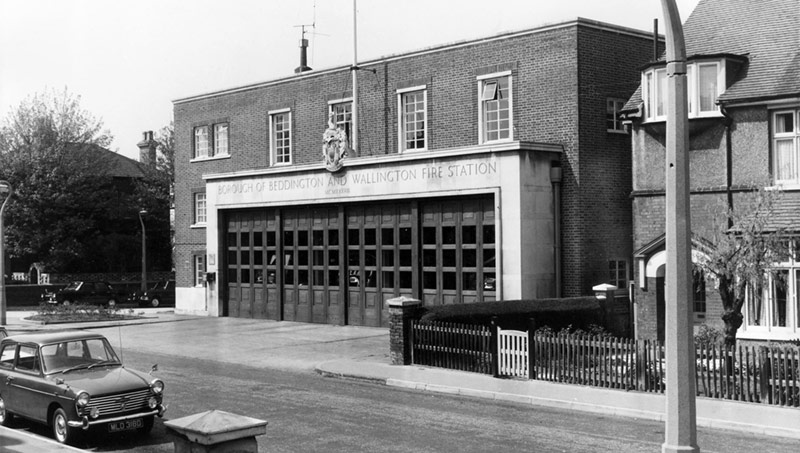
(485, 170)
(743, 75)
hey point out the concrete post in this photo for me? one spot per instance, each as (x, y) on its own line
(216, 432)
(680, 434)
(401, 311)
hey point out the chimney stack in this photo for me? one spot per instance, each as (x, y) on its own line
(147, 149)
(303, 59)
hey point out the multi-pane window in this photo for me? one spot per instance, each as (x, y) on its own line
(613, 120)
(220, 139)
(413, 120)
(705, 82)
(343, 116)
(200, 208)
(775, 307)
(210, 141)
(786, 147)
(495, 108)
(199, 269)
(618, 273)
(280, 128)
(201, 144)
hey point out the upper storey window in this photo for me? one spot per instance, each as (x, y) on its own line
(413, 119)
(211, 141)
(342, 112)
(786, 146)
(705, 82)
(280, 132)
(495, 107)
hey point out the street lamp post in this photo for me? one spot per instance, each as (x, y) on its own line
(5, 194)
(144, 252)
(680, 424)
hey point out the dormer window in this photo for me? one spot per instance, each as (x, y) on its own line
(705, 82)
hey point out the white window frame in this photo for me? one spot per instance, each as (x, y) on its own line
(198, 151)
(482, 81)
(200, 208)
(768, 329)
(221, 146)
(402, 125)
(794, 180)
(273, 146)
(199, 269)
(654, 95)
(343, 124)
(613, 107)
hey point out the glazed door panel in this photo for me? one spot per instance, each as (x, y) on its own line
(249, 260)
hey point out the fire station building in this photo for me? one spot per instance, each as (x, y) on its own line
(486, 170)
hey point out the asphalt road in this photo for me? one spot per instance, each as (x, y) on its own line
(310, 413)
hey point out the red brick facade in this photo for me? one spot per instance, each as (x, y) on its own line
(562, 76)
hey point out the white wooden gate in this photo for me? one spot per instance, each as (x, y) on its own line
(512, 353)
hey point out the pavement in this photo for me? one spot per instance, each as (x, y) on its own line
(363, 353)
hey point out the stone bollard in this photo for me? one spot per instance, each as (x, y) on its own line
(401, 310)
(215, 432)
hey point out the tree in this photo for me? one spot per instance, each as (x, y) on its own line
(62, 208)
(742, 248)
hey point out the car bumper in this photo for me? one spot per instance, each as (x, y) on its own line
(85, 422)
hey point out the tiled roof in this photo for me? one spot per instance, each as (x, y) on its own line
(785, 215)
(766, 32)
(113, 164)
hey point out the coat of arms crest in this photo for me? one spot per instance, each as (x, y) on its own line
(334, 145)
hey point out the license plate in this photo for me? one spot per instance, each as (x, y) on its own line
(125, 425)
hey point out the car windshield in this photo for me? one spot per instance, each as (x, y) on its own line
(73, 286)
(76, 354)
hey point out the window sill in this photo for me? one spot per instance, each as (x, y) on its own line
(785, 186)
(616, 132)
(663, 119)
(495, 142)
(197, 225)
(204, 159)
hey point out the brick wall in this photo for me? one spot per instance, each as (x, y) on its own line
(708, 157)
(561, 77)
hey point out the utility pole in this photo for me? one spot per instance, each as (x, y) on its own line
(5, 194)
(680, 433)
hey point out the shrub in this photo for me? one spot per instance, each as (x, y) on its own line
(708, 336)
(516, 314)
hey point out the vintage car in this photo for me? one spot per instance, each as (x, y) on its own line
(73, 381)
(86, 292)
(160, 294)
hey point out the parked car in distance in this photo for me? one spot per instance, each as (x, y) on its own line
(74, 382)
(160, 294)
(86, 292)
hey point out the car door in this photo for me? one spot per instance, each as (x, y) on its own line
(27, 388)
(8, 351)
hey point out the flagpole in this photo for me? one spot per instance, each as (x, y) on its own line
(354, 71)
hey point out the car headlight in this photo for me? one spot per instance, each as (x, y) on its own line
(157, 386)
(82, 400)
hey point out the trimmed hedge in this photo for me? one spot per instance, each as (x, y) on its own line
(578, 312)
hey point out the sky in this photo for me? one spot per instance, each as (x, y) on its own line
(129, 59)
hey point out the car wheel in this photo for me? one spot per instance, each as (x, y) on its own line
(112, 303)
(148, 423)
(62, 433)
(5, 415)
(155, 302)
(67, 302)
